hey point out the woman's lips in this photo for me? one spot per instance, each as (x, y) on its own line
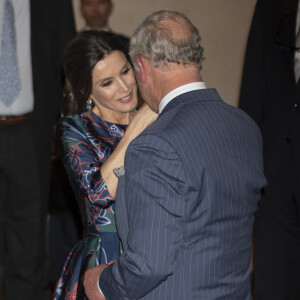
(126, 99)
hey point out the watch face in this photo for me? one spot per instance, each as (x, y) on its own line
(119, 171)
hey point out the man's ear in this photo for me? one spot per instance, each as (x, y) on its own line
(143, 65)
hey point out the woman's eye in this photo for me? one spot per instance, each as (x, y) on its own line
(126, 70)
(107, 83)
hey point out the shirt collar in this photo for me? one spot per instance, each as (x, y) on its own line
(178, 91)
(107, 28)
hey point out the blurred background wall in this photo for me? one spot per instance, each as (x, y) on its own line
(223, 26)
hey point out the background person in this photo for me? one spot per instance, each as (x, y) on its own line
(33, 34)
(96, 14)
(270, 94)
(100, 102)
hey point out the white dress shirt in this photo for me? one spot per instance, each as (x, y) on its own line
(178, 91)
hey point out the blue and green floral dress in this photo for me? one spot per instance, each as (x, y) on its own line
(85, 142)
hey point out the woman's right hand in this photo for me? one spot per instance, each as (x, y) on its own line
(141, 120)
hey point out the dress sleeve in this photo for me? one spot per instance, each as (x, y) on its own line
(83, 161)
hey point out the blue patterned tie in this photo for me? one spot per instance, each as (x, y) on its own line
(10, 82)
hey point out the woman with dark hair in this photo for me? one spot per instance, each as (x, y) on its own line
(98, 107)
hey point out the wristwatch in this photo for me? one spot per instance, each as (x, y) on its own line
(119, 171)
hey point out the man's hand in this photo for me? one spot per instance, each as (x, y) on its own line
(90, 283)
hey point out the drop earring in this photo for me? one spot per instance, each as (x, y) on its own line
(89, 104)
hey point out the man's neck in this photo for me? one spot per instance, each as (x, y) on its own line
(170, 80)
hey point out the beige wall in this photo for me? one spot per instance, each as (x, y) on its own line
(223, 26)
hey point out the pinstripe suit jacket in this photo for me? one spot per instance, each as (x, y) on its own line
(185, 207)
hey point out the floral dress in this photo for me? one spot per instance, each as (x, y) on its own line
(85, 141)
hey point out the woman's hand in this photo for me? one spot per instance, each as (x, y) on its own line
(141, 120)
(90, 282)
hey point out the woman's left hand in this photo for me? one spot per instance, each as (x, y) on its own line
(91, 282)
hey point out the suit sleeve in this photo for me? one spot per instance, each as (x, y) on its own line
(253, 88)
(155, 189)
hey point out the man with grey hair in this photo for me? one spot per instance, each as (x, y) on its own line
(186, 199)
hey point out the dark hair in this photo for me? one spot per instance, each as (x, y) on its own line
(81, 56)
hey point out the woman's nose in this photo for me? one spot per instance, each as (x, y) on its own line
(124, 87)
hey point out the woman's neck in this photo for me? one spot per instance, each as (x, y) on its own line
(116, 117)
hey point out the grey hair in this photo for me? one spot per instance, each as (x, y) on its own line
(161, 44)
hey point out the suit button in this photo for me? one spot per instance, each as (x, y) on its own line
(296, 104)
(287, 141)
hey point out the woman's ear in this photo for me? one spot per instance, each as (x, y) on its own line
(142, 64)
